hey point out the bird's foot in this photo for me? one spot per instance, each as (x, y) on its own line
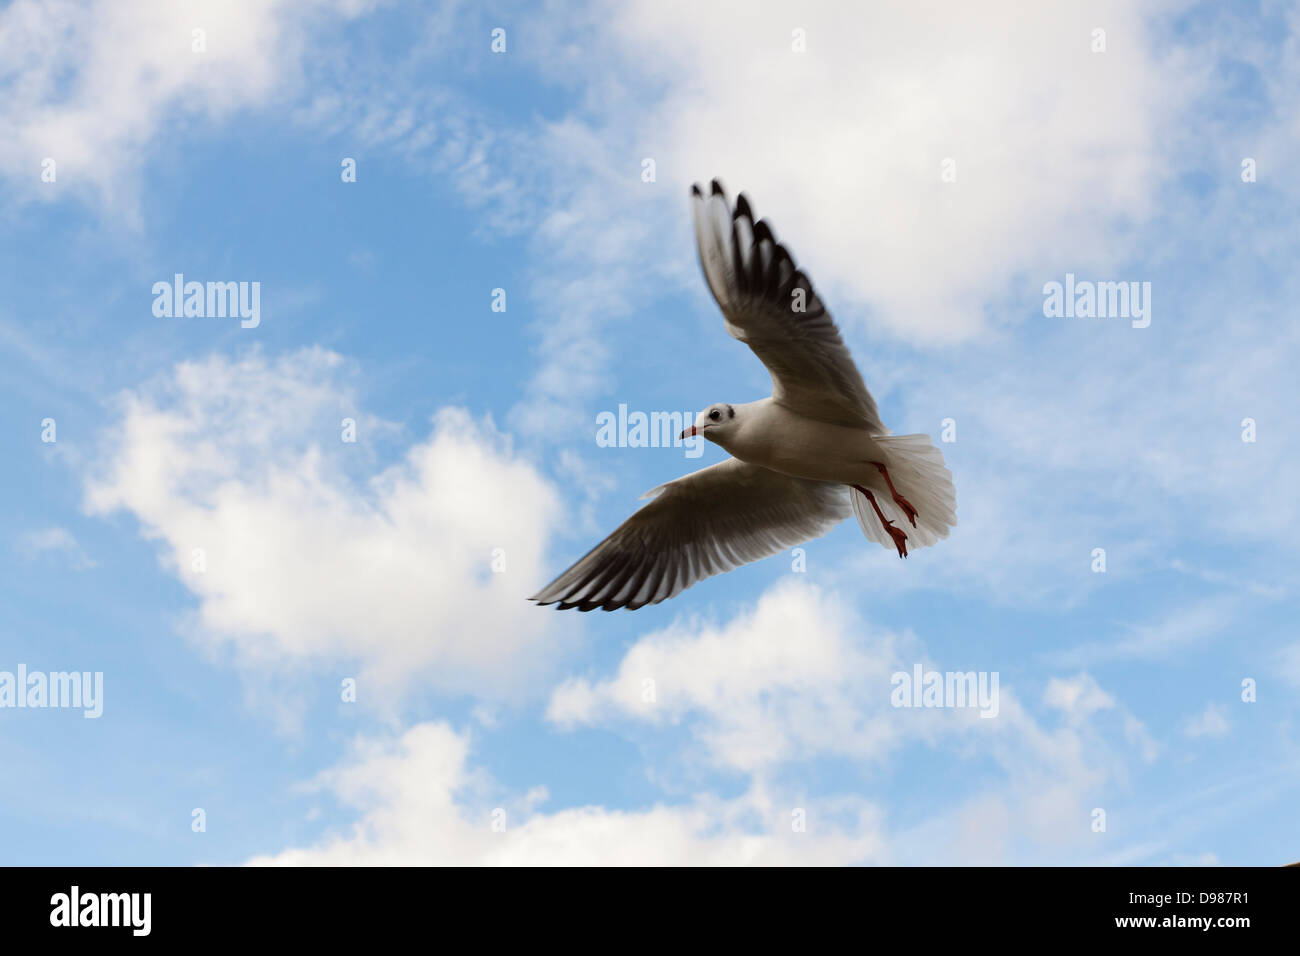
(907, 508)
(898, 499)
(900, 539)
(897, 534)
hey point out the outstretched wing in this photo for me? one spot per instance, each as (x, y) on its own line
(772, 307)
(703, 524)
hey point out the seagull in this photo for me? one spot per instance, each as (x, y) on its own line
(802, 460)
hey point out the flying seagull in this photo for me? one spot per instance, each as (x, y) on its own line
(802, 459)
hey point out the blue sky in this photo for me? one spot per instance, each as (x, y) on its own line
(485, 730)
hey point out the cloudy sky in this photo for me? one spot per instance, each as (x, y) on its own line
(469, 229)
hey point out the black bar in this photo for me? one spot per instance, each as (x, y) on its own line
(328, 906)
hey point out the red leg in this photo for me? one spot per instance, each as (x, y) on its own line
(898, 499)
(900, 539)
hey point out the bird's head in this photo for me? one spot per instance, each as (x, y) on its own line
(714, 423)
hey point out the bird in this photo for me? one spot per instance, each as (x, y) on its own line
(801, 460)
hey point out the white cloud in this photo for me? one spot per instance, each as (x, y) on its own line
(1211, 722)
(801, 677)
(58, 541)
(312, 552)
(1176, 631)
(419, 802)
(418, 799)
(92, 85)
(1077, 697)
(797, 676)
(842, 144)
(1055, 147)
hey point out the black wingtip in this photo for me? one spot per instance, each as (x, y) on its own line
(696, 192)
(742, 207)
(718, 190)
(763, 231)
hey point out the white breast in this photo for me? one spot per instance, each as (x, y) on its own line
(775, 437)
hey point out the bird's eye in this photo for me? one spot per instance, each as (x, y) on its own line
(714, 415)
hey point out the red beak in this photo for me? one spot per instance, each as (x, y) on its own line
(688, 433)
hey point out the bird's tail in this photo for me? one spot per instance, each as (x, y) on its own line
(920, 475)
